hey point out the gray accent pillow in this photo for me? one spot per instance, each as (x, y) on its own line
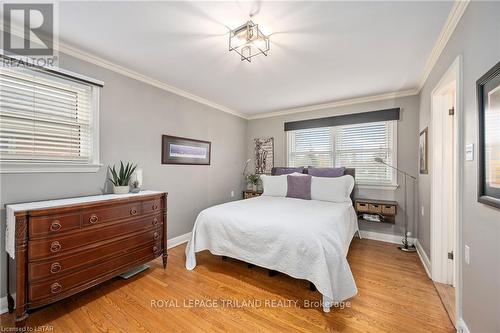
(286, 171)
(326, 172)
(299, 187)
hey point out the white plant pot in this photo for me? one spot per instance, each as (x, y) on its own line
(120, 189)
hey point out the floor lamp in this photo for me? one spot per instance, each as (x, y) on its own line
(407, 247)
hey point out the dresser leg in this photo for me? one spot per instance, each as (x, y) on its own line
(164, 259)
(21, 316)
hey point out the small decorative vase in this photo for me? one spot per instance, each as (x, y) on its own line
(120, 189)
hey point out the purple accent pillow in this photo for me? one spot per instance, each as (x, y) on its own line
(299, 187)
(326, 172)
(286, 171)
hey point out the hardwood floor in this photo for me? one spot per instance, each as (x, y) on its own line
(447, 295)
(395, 295)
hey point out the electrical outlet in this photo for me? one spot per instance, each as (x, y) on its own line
(467, 254)
(422, 211)
(232, 194)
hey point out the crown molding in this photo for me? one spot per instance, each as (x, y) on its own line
(456, 13)
(91, 58)
(454, 17)
(335, 104)
(77, 53)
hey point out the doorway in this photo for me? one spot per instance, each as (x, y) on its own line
(445, 142)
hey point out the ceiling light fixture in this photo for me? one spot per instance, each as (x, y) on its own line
(248, 41)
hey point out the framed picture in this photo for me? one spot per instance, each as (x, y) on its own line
(423, 151)
(177, 150)
(264, 155)
(488, 100)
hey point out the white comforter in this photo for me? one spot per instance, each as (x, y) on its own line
(306, 239)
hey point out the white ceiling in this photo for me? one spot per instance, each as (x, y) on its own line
(320, 51)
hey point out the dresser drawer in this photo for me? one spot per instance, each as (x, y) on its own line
(53, 224)
(59, 266)
(59, 245)
(100, 216)
(64, 284)
(151, 206)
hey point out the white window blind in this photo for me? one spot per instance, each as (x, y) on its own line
(352, 146)
(46, 118)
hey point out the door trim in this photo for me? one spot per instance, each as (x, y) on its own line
(437, 252)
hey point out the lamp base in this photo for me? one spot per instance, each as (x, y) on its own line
(408, 248)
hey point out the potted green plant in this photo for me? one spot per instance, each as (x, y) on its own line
(253, 179)
(121, 178)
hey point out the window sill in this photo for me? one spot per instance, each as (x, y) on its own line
(377, 187)
(40, 167)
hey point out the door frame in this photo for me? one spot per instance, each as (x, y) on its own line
(438, 235)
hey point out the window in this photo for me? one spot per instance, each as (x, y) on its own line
(352, 146)
(48, 122)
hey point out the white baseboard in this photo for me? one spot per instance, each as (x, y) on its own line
(389, 238)
(423, 258)
(173, 242)
(462, 326)
(3, 305)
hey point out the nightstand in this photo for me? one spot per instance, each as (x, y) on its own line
(385, 209)
(247, 194)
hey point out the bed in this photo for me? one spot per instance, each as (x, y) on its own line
(306, 239)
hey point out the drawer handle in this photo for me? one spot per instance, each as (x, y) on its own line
(93, 219)
(133, 211)
(156, 235)
(155, 206)
(55, 246)
(155, 221)
(55, 225)
(55, 268)
(55, 287)
(155, 249)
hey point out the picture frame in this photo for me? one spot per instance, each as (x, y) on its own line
(179, 150)
(488, 102)
(423, 151)
(264, 155)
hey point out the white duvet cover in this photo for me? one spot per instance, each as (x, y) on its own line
(306, 239)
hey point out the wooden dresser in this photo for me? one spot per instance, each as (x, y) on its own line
(64, 249)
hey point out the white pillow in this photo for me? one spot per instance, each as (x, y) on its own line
(336, 189)
(274, 186)
(297, 174)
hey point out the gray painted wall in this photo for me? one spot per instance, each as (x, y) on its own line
(133, 116)
(407, 149)
(477, 39)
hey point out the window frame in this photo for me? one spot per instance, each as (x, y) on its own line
(371, 185)
(93, 165)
